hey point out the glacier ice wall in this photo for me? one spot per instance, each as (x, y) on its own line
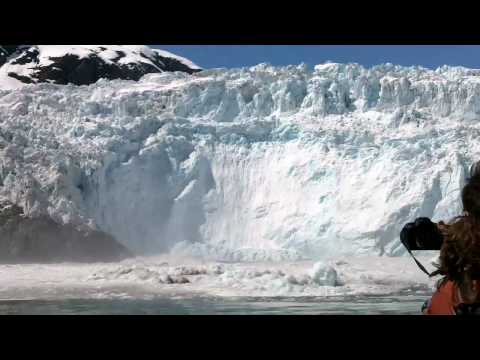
(252, 163)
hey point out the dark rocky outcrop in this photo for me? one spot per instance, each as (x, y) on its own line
(70, 69)
(42, 240)
(7, 50)
(3, 56)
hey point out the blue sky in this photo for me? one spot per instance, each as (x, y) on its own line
(431, 56)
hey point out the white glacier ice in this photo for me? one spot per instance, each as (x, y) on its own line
(261, 163)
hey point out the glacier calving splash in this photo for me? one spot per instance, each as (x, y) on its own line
(246, 164)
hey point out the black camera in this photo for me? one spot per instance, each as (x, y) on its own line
(422, 234)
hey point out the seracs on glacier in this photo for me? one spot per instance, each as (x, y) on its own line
(259, 163)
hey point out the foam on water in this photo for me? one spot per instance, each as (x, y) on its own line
(144, 278)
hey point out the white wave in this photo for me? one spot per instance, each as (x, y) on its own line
(155, 276)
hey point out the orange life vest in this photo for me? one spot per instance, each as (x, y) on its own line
(444, 300)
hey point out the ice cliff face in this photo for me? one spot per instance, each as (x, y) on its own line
(252, 163)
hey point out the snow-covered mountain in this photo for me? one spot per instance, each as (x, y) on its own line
(252, 163)
(83, 64)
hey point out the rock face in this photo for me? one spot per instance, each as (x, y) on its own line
(85, 64)
(40, 239)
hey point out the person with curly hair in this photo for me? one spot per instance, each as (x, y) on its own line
(458, 291)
